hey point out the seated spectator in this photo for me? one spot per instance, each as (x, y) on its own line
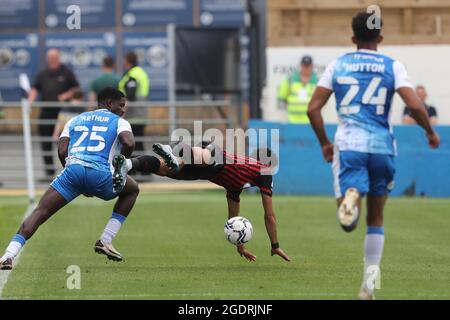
(68, 113)
(432, 113)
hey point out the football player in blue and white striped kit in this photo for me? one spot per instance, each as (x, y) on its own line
(364, 82)
(86, 149)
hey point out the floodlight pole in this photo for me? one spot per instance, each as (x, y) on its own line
(172, 84)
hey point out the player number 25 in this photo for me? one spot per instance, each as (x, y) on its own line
(368, 96)
(93, 136)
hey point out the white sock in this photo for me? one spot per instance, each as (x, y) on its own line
(373, 250)
(129, 164)
(112, 227)
(14, 247)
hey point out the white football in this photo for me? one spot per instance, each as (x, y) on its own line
(238, 230)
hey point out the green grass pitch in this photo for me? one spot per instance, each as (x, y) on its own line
(174, 248)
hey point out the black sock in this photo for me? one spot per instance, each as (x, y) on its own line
(146, 164)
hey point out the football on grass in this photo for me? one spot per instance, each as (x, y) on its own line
(238, 230)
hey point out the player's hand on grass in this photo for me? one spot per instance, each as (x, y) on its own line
(433, 140)
(245, 253)
(280, 253)
(328, 152)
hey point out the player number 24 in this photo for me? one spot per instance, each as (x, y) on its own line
(368, 96)
(93, 136)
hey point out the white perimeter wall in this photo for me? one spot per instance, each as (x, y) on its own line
(426, 64)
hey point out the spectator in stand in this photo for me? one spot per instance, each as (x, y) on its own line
(295, 91)
(108, 78)
(432, 112)
(54, 83)
(135, 84)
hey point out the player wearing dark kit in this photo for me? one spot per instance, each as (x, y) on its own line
(209, 162)
(230, 171)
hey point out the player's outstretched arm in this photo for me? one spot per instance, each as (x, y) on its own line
(420, 114)
(233, 211)
(318, 101)
(233, 208)
(271, 227)
(126, 138)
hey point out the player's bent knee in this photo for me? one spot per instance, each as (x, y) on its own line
(132, 187)
(137, 190)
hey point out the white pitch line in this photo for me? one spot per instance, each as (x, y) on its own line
(206, 295)
(4, 274)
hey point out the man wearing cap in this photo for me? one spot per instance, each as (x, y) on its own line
(296, 90)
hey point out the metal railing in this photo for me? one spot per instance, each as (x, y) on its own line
(20, 151)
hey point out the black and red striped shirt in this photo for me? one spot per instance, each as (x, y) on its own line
(233, 172)
(238, 173)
